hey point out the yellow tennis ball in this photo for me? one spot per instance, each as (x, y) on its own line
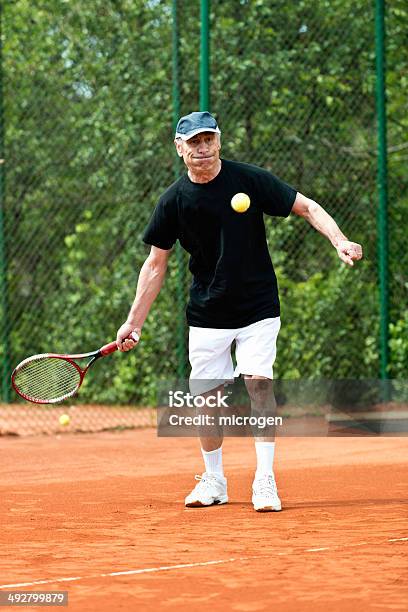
(64, 419)
(240, 202)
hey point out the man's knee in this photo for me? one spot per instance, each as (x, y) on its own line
(260, 388)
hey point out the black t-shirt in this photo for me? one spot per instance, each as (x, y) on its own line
(234, 283)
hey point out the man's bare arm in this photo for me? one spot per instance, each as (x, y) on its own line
(150, 282)
(321, 220)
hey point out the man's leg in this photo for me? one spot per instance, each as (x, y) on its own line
(263, 404)
(211, 435)
(210, 358)
(256, 352)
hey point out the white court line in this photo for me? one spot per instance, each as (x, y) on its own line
(144, 570)
(398, 540)
(166, 568)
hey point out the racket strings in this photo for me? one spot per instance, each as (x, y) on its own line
(48, 379)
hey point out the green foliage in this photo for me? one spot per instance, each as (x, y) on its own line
(88, 115)
(320, 317)
(399, 347)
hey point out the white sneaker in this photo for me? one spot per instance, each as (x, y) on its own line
(211, 489)
(265, 494)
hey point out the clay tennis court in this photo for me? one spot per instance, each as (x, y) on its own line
(102, 516)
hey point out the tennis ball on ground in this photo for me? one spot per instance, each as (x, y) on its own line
(64, 419)
(240, 202)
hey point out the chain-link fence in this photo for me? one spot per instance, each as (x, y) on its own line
(298, 106)
(88, 122)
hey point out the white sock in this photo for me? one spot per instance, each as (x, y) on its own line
(265, 452)
(213, 461)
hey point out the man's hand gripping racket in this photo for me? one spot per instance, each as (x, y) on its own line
(52, 377)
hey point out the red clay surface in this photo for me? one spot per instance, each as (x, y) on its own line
(79, 506)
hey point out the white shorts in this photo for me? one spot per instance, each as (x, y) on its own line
(255, 350)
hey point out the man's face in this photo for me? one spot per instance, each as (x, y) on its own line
(201, 152)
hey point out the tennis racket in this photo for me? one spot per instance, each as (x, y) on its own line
(51, 377)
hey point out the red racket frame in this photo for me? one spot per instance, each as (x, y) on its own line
(105, 350)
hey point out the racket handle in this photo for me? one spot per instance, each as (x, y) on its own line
(107, 349)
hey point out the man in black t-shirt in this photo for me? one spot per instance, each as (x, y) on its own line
(234, 293)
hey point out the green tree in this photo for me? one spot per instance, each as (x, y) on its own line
(88, 113)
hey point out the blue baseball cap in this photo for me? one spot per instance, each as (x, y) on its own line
(195, 123)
